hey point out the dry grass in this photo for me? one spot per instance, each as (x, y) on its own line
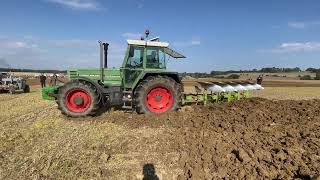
(276, 76)
(37, 142)
(284, 93)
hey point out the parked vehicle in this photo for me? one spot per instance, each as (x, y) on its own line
(12, 85)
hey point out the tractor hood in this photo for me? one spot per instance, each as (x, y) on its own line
(112, 76)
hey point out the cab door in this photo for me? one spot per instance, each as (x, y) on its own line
(134, 65)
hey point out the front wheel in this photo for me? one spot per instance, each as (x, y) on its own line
(78, 99)
(12, 90)
(157, 94)
(26, 89)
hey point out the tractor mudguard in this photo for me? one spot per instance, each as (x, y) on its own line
(144, 75)
(115, 92)
(99, 87)
(173, 75)
(51, 93)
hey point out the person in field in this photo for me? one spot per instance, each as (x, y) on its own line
(43, 80)
(259, 80)
(55, 80)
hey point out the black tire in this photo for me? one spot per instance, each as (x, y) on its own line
(12, 90)
(87, 87)
(152, 82)
(26, 89)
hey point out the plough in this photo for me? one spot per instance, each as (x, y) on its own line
(212, 91)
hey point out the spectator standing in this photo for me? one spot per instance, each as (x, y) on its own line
(43, 80)
(259, 80)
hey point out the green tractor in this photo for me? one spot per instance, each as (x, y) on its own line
(142, 83)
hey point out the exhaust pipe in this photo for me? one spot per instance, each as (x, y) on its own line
(103, 58)
(105, 50)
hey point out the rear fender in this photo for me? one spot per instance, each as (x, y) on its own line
(173, 75)
(99, 87)
(114, 93)
(51, 93)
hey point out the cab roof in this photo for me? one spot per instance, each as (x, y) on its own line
(148, 43)
(164, 45)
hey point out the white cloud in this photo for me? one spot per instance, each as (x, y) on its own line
(78, 4)
(20, 53)
(40, 53)
(76, 43)
(297, 25)
(16, 45)
(193, 42)
(130, 35)
(294, 47)
(303, 24)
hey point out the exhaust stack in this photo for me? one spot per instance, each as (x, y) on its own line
(103, 58)
(105, 50)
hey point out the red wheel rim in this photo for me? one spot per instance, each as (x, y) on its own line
(159, 100)
(78, 100)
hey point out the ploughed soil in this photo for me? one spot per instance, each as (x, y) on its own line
(249, 139)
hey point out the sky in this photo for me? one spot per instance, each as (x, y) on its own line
(212, 34)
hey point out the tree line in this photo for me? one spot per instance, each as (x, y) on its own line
(233, 73)
(32, 70)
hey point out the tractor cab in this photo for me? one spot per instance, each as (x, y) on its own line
(148, 54)
(145, 57)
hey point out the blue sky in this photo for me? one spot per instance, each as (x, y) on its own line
(214, 35)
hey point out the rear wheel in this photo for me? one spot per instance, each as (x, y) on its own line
(157, 94)
(78, 99)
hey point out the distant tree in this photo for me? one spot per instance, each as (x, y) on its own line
(317, 76)
(297, 69)
(219, 77)
(311, 69)
(306, 77)
(279, 70)
(216, 73)
(233, 76)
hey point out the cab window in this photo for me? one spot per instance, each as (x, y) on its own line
(155, 58)
(135, 59)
